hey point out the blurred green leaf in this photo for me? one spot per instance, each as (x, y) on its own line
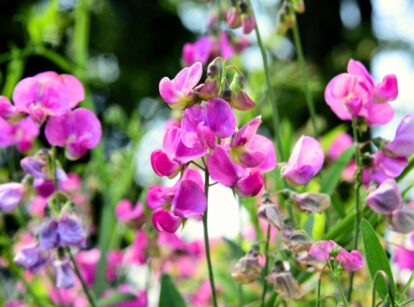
(376, 259)
(331, 178)
(115, 298)
(169, 295)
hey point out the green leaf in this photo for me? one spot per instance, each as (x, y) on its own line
(115, 298)
(169, 295)
(376, 259)
(333, 175)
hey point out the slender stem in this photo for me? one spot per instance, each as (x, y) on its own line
(407, 286)
(207, 243)
(407, 302)
(318, 293)
(302, 66)
(338, 284)
(78, 273)
(357, 187)
(270, 93)
(266, 268)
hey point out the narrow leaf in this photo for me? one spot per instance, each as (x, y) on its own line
(115, 298)
(169, 295)
(331, 178)
(376, 259)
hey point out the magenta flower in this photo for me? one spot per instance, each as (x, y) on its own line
(158, 196)
(404, 258)
(136, 252)
(403, 143)
(20, 134)
(383, 167)
(47, 94)
(342, 142)
(31, 257)
(386, 198)
(164, 220)
(8, 111)
(126, 212)
(11, 194)
(248, 23)
(64, 275)
(350, 261)
(168, 161)
(199, 51)
(355, 93)
(305, 161)
(226, 48)
(87, 261)
(178, 91)
(77, 131)
(202, 124)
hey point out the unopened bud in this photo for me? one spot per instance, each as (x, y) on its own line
(247, 269)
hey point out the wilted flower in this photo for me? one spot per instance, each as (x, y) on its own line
(178, 91)
(11, 194)
(298, 241)
(271, 214)
(286, 286)
(64, 275)
(386, 198)
(247, 268)
(312, 202)
(305, 161)
(402, 220)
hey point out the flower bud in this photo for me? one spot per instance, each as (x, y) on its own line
(11, 194)
(386, 198)
(248, 23)
(247, 269)
(64, 275)
(298, 241)
(402, 220)
(239, 99)
(298, 6)
(270, 213)
(285, 285)
(36, 165)
(312, 202)
(233, 18)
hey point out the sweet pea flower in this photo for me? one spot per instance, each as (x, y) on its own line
(36, 165)
(177, 93)
(402, 220)
(136, 252)
(350, 261)
(8, 111)
(77, 131)
(64, 275)
(47, 94)
(202, 124)
(168, 161)
(404, 258)
(11, 194)
(199, 51)
(403, 143)
(305, 161)
(383, 167)
(158, 196)
(127, 213)
(386, 198)
(87, 261)
(355, 94)
(20, 134)
(342, 142)
(31, 257)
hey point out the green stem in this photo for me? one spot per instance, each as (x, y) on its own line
(407, 302)
(407, 286)
(302, 66)
(357, 187)
(338, 284)
(270, 93)
(78, 273)
(266, 268)
(207, 242)
(318, 293)
(240, 287)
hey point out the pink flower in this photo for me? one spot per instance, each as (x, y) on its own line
(8, 111)
(350, 261)
(126, 213)
(168, 161)
(383, 167)
(202, 296)
(248, 23)
(178, 92)
(201, 125)
(404, 258)
(11, 194)
(87, 261)
(305, 161)
(20, 134)
(158, 196)
(355, 93)
(386, 198)
(199, 51)
(403, 143)
(78, 131)
(342, 142)
(136, 252)
(47, 94)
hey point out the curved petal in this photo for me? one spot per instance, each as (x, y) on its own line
(220, 117)
(250, 185)
(189, 200)
(162, 164)
(164, 220)
(222, 169)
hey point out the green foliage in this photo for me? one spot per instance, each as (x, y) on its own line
(169, 295)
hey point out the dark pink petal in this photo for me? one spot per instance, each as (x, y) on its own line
(25, 131)
(403, 143)
(189, 199)
(379, 113)
(7, 134)
(250, 185)
(193, 175)
(386, 198)
(404, 258)
(390, 166)
(7, 110)
(197, 52)
(193, 117)
(350, 261)
(206, 136)
(158, 196)
(246, 133)
(387, 90)
(162, 165)
(220, 117)
(164, 220)
(184, 154)
(74, 88)
(222, 169)
(263, 145)
(171, 139)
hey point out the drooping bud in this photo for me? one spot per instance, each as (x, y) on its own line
(247, 269)
(233, 18)
(211, 86)
(386, 198)
(270, 213)
(298, 241)
(248, 21)
(239, 99)
(402, 220)
(284, 283)
(64, 275)
(312, 202)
